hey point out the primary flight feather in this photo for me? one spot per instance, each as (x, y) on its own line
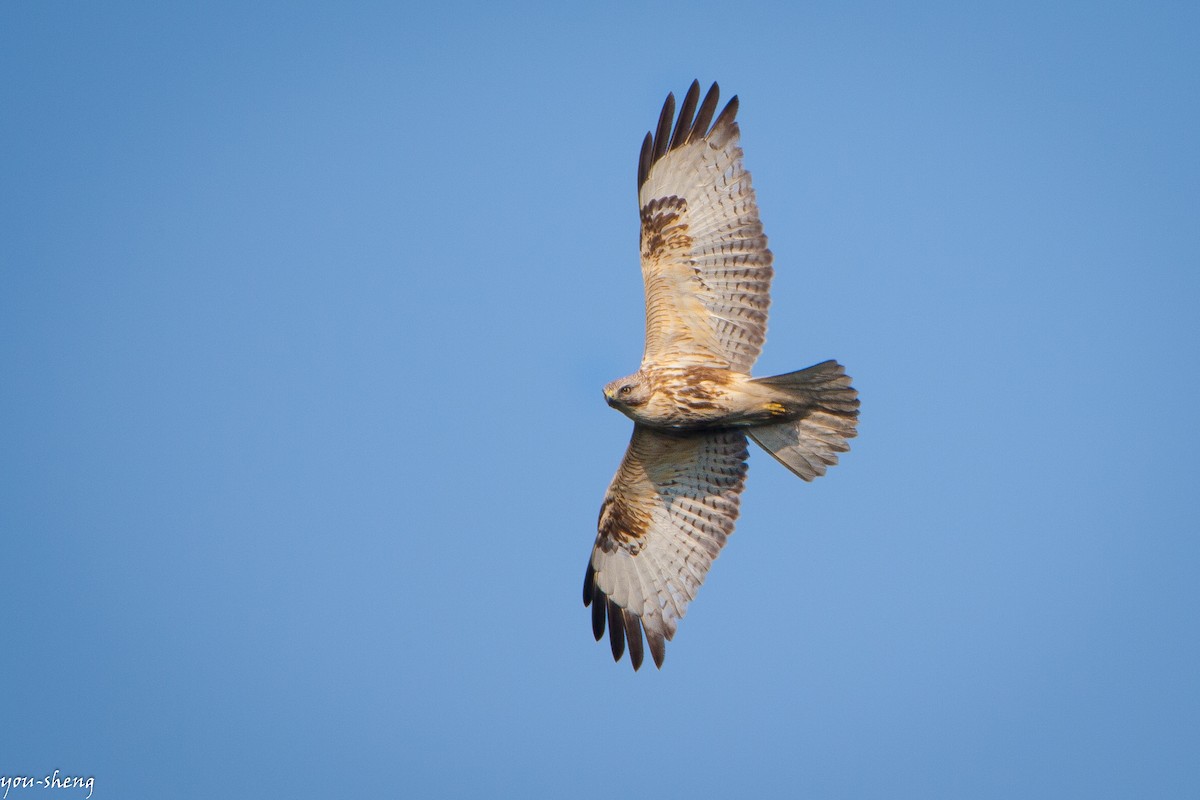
(707, 272)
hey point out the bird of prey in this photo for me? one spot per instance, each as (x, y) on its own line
(707, 274)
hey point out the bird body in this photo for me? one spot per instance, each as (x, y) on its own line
(697, 398)
(707, 271)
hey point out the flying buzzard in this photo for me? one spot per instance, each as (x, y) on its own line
(707, 271)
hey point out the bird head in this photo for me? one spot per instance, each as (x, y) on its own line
(628, 392)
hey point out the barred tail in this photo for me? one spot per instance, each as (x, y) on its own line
(810, 443)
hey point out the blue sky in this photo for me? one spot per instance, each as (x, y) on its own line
(304, 316)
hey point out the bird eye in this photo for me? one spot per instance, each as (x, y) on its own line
(624, 390)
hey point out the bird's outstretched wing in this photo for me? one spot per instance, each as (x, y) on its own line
(705, 260)
(666, 515)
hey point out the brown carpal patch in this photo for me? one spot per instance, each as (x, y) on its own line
(621, 525)
(661, 226)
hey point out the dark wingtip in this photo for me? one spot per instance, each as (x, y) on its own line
(623, 626)
(687, 115)
(598, 606)
(616, 630)
(705, 114)
(662, 135)
(646, 160)
(728, 113)
(633, 635)
(686, 129)
(658, 647)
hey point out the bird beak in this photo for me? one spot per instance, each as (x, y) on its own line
(608, 398)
